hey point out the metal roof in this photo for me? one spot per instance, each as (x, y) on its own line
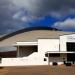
(26, 30)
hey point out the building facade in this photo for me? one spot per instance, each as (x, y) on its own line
(38, 46)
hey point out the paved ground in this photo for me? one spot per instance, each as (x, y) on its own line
(38, 70)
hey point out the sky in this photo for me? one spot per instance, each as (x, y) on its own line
(19, 14)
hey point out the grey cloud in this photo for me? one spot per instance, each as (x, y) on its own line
(7, 23)
(42, 7)
(34, 8)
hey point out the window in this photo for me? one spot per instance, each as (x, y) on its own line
(70, 46)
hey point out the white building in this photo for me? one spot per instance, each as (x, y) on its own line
(38, 46)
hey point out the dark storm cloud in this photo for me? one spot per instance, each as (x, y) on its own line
(42, 7)
(9, 8)
(61, 7)
(7, 23)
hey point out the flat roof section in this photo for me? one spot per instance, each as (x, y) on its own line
(61, 52)
(26, 44)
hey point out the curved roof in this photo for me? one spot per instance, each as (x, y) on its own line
(27, 30)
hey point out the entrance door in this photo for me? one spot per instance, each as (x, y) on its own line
(70, 47)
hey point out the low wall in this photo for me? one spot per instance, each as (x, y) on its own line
(33, 59)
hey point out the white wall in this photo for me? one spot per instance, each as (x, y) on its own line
(45, 45)
(33, 59)
(64, 39)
